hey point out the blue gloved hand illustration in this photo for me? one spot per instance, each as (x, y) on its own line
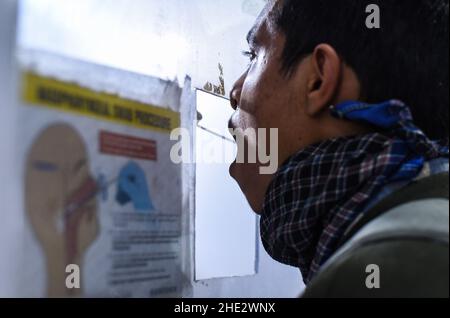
(132, 187)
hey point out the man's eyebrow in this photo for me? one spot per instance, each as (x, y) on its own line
(251, 36)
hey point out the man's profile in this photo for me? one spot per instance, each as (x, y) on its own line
(362, 115)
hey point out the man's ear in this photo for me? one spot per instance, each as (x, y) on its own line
(324, 82)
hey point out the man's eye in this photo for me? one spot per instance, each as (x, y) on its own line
(250, 54)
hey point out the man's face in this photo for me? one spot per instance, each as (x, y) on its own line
(264, 98)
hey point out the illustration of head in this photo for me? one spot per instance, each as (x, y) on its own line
(60, 200)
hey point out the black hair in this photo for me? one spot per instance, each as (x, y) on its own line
(405, 59)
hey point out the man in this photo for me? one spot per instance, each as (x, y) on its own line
(361, 113)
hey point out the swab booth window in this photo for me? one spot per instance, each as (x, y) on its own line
(225, 228)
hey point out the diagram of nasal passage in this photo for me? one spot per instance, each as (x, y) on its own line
(132, 187)
(59, 179)
(60, 195)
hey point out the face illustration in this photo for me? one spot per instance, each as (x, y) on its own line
(60, 197)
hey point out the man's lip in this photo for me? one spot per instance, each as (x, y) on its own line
(231, 168)
(232, 126)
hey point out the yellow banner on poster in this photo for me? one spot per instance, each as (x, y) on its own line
(72, 98)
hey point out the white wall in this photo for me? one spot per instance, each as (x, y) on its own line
(166, 39)
(9, 186)
(272, 281)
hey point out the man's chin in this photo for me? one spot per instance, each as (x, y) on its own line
(237, 175)
(232, 170)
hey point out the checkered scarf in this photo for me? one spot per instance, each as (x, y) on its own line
(321, 190)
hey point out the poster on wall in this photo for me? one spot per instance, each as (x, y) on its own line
(100, 196)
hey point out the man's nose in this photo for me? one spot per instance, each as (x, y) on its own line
(235, 94)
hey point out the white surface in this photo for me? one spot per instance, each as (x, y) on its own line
(272, 281)
(11, 222)
(216, 112)
(225, 226)
(167, 39)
